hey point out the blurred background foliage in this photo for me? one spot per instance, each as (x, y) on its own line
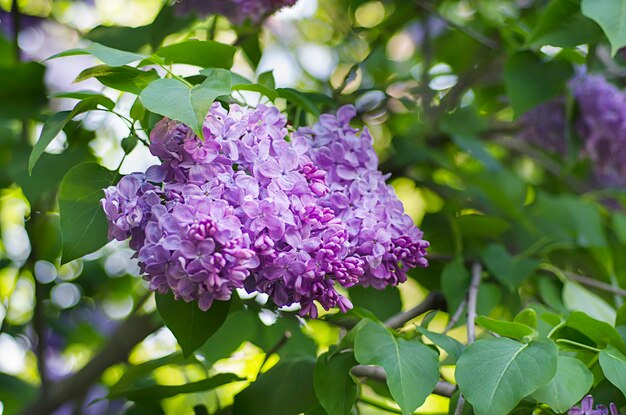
(440, 84)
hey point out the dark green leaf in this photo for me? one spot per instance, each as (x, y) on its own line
(510, 271)
(570, 384)
(300, 99)
(384, 303)
(334, 387)
(562, 25)
(600, 332)
(205, 54)
(529, 81)
(494, 375)
(412, 368)
(191, 326)
(285, 389)
(122, 78)
(15, 394)
(455, 279)
(83, 223)
(23, 87)
(129, 143)
(506, 328)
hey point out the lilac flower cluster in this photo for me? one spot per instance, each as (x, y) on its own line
(545, 126)
(379, 231)
(586, 408)
(602, 122)
(238, 11)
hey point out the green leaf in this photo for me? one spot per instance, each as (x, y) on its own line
(334, 387)
(611, 16)
(173, 99)
(285, 389)
(110, 56)
(510, 271)
(562, 25)
(383, 303)
(576, 297)
(205, 54)
(527, 317)
(56, 122)
(570, 384)
(122, 78)
(83, 224)
(15, 394)
(158, 392)
(494, 375)
(300, 99)
(455, 280)
(453, 347)
(613, 363)
(261, 89)
(129, 143)
(529, 81)
(267, 79)
(412, 368)
(191, 326)
(23, 87)
(506, 328)
(600, 332)
(138, 374)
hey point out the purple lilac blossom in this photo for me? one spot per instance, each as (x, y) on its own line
(241, 209)
(379, 231)
(602, 123)
(545, 126)
(238, 11)
(586, 408)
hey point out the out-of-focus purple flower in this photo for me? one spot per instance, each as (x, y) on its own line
(586, 408)
(241, 209)
(378, 230)
(602, 123)
(545, 126)
(238, 11)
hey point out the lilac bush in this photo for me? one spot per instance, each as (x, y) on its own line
(248, 209)
(238, 11)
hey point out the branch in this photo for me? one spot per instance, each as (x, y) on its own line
(477, 36)
(434, 301)
(128, 335)
(456, 316)
(596, 284)
(378, 374)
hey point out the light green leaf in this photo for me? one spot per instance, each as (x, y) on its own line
(578, 298)
(412, 368)
(527, 317)
(191, 326)
(83, 224)
(453, 347)
(334, 387)
(205, 54)
(611, 16)
(613, 363)
(570, 384)
(506, 328)
(110, 56)
(122, 78)
(494, 375)
(173, 99)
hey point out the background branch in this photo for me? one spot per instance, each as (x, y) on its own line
(434, 301)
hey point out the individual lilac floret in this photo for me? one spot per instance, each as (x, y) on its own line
(379, 231)
(602, 123)
(545, 126)
(240, 209)
(586, 408)
(238, 11)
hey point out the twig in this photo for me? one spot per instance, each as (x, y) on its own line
(434, 301)
(472, 300)
(477, 36)
(128, 335)
(279, 345)
(456, 316)
(596, 284)
(378, 374)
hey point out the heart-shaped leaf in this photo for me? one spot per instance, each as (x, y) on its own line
(613, 363)
(571, 382)
(334, 386)
(611, 16)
